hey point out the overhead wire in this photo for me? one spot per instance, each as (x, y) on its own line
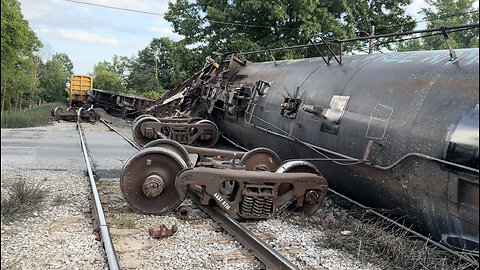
(112, 7)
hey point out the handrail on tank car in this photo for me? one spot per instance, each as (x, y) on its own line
(441, 30)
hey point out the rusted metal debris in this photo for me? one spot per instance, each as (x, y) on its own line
(163, 232)
(196, 131)
(256, 186)
(71, 114)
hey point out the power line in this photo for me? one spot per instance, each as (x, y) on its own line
(251, 25)
(118, 8)
(429, 20)
(158, 14)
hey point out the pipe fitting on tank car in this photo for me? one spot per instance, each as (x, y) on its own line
(315, 110)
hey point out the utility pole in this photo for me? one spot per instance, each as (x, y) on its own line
(370, 43)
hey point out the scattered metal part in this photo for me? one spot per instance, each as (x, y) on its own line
(260, 249)
(163, 232)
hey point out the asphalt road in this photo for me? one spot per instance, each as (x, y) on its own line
(57, 147)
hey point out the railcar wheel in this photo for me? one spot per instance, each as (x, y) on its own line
(148, 180)
(137, 132)
(174, 146)
(71, 110)
(209, 140)
(57, 113)
(261, 159)
(139, 117)
(92, 115)
(312, 198)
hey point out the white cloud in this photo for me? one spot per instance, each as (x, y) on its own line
(79, 36)
(415, 7)
(164, 31)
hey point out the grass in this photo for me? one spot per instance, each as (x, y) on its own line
(37, 116)
(22, 200)
(373, 239)
(60, 200)
(127, 223)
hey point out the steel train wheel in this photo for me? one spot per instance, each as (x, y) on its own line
(56, 113)
(148, 180)
(261, 159)
(137, 132)
(91, 114)
(71, 110)
(139, 117)
(311, 195)
(208, 142)
(174, 146)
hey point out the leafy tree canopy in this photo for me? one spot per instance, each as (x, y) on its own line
(163, 64)
(447, 13)
(52, 81)
(105, 78)
(64, 60)
(243, 25)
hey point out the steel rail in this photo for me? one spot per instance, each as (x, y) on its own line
(97, 209)
(265, 253)
(121, 135)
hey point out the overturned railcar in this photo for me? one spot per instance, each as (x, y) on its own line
(397, 131)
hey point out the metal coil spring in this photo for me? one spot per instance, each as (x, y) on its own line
(256, 206)
(247, 204)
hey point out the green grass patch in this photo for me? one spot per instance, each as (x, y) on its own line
(37, 116)
(127, 223)
(60, 200)
(22, 200)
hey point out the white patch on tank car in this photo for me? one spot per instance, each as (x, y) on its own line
(377, 126)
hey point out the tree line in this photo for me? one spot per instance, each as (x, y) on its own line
(26, 79)
(210, 26)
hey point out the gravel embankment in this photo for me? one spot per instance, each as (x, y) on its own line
(58, 234)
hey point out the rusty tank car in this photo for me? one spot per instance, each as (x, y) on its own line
(396, 131)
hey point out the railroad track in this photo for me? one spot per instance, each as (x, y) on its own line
(259, 249)
(252, 244)
(265, 253)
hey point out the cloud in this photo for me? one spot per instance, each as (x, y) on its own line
(164, 31)
(79, 36)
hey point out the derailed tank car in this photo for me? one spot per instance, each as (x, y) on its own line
(397, 131)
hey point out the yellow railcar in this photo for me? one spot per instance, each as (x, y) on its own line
(79, 86)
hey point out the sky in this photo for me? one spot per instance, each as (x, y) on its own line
(90, 34)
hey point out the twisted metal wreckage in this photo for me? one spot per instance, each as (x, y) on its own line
(397, 132)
